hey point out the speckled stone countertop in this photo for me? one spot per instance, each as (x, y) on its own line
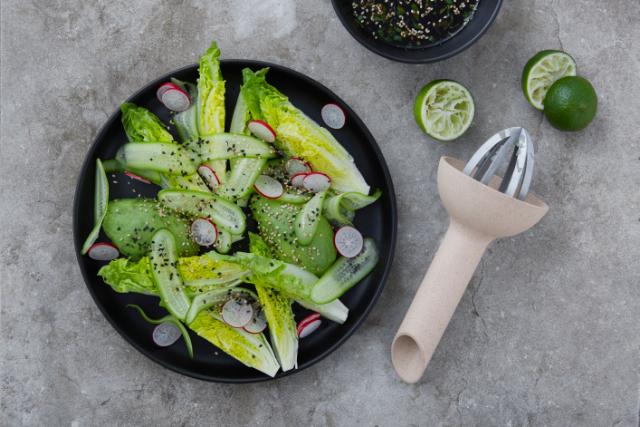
(548, 333)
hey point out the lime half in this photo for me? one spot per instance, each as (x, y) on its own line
(444, 109)
(543, 70)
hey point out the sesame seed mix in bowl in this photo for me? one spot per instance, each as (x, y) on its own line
(413, 23)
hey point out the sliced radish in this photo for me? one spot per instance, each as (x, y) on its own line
(348, 241)
(165, 87)
(268, 187)
(204, 232)
(258, 322)
(333, 115)
(103, 251)
(295, 166)
(316, 182)
(262, 130)
(165, 334)
(176, 99)
(137, 177)
(308, 325)
(237, 312)
(209, 176)
(297, 180)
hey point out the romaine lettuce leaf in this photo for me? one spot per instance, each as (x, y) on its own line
(282, 326)
(141, 125)
(299, 136)
(125, 276)
(251, 349)
(211, 88)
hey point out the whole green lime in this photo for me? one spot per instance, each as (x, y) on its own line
(571, 103)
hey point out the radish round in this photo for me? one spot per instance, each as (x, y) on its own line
(262, 130)
(136, 177)
(333, 115)
(204, 232)
(165, 334)
(268, 187)
(209, 176)
(316, 182)
(295, 166)
(308, 325)
(176, 99)
(103, 251)
(165, 87)
(297, 180)
(258, 322)
(237, 312)
(348, 241)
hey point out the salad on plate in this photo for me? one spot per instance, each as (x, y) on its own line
(274, 168)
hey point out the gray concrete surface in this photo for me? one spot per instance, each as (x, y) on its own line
(548, 333)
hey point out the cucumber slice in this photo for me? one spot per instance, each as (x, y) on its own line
(240, 116)
(204, 301)
(187, 125)
(164, 259)
(220, 169)
(225, 240)
(189, 182)
(344, 274)
(196, 203)
(244, 173)
(354, 200)
(294, 198)
(335, 310)
(336, 213)
(157, 156)
(308, 219)
(100, 203)
(229, 146)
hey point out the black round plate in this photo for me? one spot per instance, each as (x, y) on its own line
(483, 18)
(377, 221)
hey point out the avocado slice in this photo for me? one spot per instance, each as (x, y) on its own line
(131, 223)
(276, 224)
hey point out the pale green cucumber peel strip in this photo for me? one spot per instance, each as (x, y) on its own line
(100, 205)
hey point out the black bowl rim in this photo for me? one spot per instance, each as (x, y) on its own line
(367, 43)
(387, 262)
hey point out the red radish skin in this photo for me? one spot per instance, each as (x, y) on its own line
(308, 325)
(297, 180)
(348, 241)
(262, 130)
(204, 232)
(333, 116)
(103, 251)
(257, 324)
(136, 177)
(175, 99)
(268, 187)
(316, 182)
(165, 87)
(209, 176)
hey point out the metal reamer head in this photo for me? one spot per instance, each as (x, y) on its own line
(513, 145)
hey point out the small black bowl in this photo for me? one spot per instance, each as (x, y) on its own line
(483, 18)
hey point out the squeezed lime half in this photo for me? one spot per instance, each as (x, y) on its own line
(543, 70)
(444, 109)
